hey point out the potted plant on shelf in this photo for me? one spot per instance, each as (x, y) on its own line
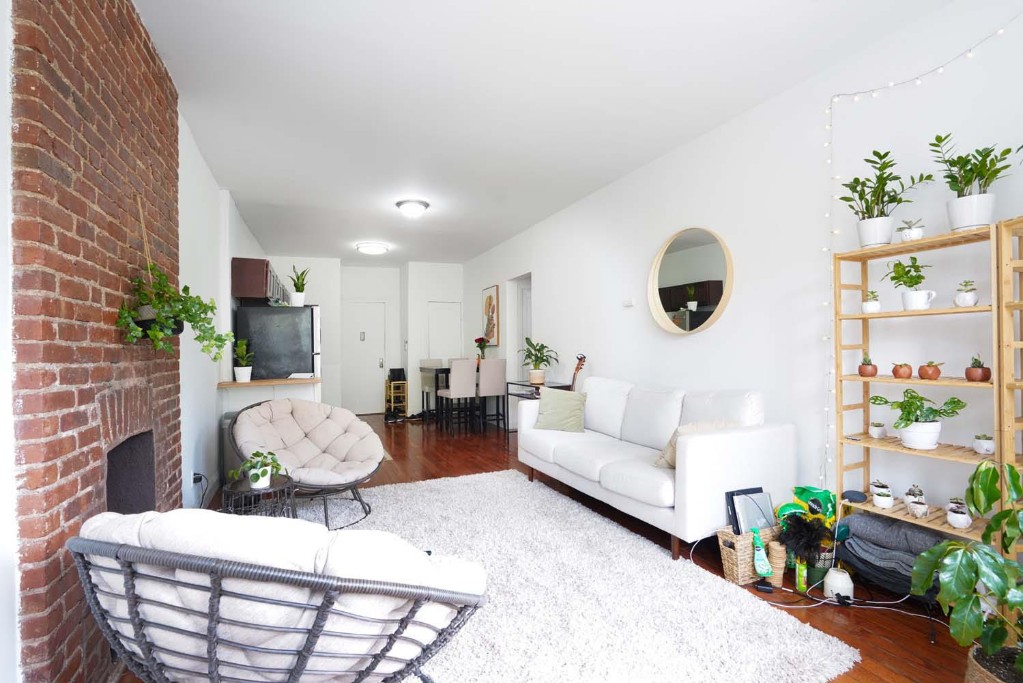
(691, 303)
(159, 311)
(911, 276)
(481, 347)
(930, 370)
(902, 370)
(877, 430)
(874, 199)
(242, 361)
(884, 500)
(870, 303)
(978, 372)
(867, 367)
(983, 444)
(918, 509)
(919, 422)
(966, 295)
(977, 582)
(970, 176)
(910, 231)
(538, 357)
(298, 282)
(259, 469)
(878, 485)
(915, 494)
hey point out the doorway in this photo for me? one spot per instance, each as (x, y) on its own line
(363, 354)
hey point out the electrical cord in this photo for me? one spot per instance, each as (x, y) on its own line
(205, 489)
(692, 548)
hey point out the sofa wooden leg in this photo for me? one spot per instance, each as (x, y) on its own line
(530, 474)
(676, 548)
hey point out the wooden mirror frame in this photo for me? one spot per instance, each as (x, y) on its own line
(654, 297)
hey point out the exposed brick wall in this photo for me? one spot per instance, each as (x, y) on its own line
(95, 124)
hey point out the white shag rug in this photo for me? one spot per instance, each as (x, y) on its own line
(575, 597)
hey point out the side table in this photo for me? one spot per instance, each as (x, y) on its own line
(276, 500)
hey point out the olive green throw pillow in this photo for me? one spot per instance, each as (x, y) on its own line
(561, 410)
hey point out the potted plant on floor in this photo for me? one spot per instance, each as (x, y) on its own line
(298, 282)
(919, 422)
(977, 372)
(966, 295)
(930, 371)
(870, 303)
(867, 367)
(242, 361)
(159, 311)
(983, 444)
(873, 199)
(902, 370)
(691, 303)
(537, 356)
(259, 469)
(970, 176)
(911, 276)
(911, 231)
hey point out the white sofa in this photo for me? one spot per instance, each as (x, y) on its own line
(625, 429)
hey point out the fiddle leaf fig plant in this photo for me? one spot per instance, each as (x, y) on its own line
(914, 408)
(877, 197)
(537, 355)
(158, 311)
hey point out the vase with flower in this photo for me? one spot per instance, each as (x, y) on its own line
(481, 346)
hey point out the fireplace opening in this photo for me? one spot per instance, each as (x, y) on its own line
(131, 475)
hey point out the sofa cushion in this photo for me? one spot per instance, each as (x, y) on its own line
(542, 442)
(640, 480)
(588, 458)
(668, 453)
(651, 415)
(560, 410)
(746, 408)
(605, 405)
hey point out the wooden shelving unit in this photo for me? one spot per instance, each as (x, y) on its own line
(1001, 354)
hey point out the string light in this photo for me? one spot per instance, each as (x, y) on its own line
(830, 378)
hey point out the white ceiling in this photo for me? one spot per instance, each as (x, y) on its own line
(318, 115)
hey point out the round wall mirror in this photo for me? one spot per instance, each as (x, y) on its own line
(690, 281)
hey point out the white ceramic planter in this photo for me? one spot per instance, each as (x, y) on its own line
(911, 234)
(984, 446)
(958, 520)
(921, 436)
(965, 299)
(973, 211)
(918, 509)
(875, 231)
(691, 305)
(243, 374)
(918, 299)
(537, 376)
(883, 502)
(914, 499)
(298, 298)
(262, 482)
(877, 432)
(874, 489)
(871, 306)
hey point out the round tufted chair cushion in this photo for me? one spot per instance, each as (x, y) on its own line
(318, 444)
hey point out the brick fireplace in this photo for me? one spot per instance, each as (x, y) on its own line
(95, 125)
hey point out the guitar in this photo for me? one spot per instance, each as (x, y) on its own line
(580, 362)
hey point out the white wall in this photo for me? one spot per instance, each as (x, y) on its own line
(236, 241)
(367, 284)
(761, 182)
(692, 265)
(428, 282)
(199, 268)
(323, 288)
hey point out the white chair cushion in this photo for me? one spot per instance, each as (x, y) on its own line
(605, 405)
(640, 480)
(588, 459)
(651, 415)
(746, 408)
(318, 444)
(543, 442)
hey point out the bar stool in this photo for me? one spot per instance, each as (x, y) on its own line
(461, 388)
(493, 375)
(428, 382)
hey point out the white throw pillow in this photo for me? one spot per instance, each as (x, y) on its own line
(667, 456)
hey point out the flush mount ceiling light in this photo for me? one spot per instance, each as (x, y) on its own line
(372, 248)
(412, 208)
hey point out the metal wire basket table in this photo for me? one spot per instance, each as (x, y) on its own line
(276, 500)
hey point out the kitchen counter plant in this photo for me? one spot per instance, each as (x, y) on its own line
(299, 280)
(919, 418)
(691, 302)
(242, 361)
(159, 311)
(977, 582)
(873, 199)
(538, 357)
(970, 176)
(910, 276)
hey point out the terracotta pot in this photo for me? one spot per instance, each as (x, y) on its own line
(929, 372)
(978, 374)
(868, 371)
(904, 371)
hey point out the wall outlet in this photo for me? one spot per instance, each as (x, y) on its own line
(196, 478)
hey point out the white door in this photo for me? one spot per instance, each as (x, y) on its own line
(363, 366)
(444, 330)
(525, 324)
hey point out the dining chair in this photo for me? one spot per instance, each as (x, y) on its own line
(428, 382)
(460, 396)
(493, 375)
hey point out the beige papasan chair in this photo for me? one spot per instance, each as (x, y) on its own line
(326, 450)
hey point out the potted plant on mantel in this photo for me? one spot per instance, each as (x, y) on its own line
(970, 176)
(911, 276)
(874, 199)
(919, 422)
(978, 582)
(538, 357)
(159, 311)
(242, 361)
(259, 468)
(298, 283)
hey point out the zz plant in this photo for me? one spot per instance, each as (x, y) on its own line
(914, 408)
(158, 312)
(537, 355)
(973, 173)
(878, 196)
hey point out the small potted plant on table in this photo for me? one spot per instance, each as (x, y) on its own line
(870, 303)
(242, 361)
(919, 422)
(966, 295)
(911, 276)
(978, 372)
(691, 303)
(874, 199)
(930, 370)
(298, 282)
(970, 176)
(259, 469)
(538, 357)
(867, 367)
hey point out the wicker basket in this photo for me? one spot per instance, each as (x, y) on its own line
(975, 673)
(737, 560)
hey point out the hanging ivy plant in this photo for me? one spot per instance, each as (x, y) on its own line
(159, 311)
